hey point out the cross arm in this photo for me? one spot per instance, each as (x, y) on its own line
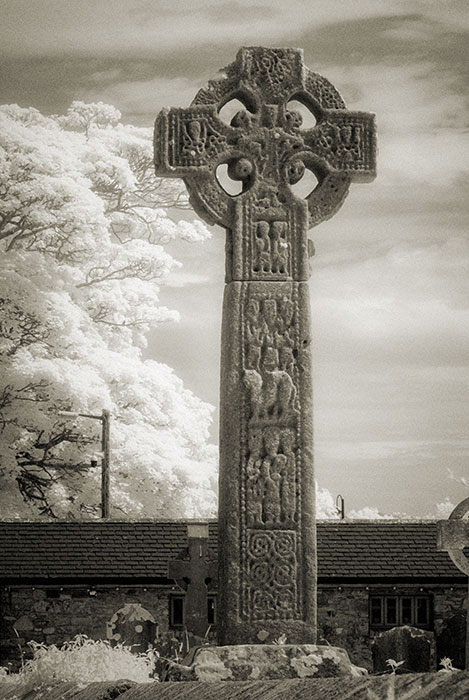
(346, 141)
(453, 534)
(453, 537)
(189, 141)
(178, 568)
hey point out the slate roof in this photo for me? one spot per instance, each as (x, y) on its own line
(139, 551)
(382, 549)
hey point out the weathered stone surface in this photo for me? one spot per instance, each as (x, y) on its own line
(23, 624)
(267, 553)
(264, 661)
(427, 686)
(193, 572)
(451, 641)
(453, 537)
(105, 690)
(267, 511)
(133, 626)
(415, 647)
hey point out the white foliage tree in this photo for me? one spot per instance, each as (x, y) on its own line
(83, 225)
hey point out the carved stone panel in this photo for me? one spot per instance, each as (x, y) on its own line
(270, 484)
(272, 575)
(265, 145)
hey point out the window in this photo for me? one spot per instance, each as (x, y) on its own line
(52, 593)
(396, 610)
(211, 610)
(176, 611)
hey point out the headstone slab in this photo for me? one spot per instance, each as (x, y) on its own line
(267, 549)
(415, 647)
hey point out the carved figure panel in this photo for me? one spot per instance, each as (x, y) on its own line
(271, 248)
(272, 487)
(270, 374)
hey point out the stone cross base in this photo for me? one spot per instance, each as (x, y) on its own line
(263, 661)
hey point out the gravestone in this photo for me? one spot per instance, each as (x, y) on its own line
(267, 546)
(453, 537)
(193, 572)
(413, 646)
(133, 626)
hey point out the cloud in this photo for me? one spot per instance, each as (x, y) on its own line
(141, 100)
(128, 26)
(410, 477)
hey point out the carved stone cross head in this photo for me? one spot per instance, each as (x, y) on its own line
(266, 148)
(453, 536)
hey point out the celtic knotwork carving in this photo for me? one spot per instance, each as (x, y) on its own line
(260, 573)
(272, 566)
(269, 137)
(283, 544)
(260, 545)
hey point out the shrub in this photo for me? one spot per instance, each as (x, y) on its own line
(82, 660)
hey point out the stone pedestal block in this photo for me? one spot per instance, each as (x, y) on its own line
(264, 662)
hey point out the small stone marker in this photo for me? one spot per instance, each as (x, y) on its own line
(267, 539)
(453, 537)
(193, 573)
(133, 626)
(413, 646)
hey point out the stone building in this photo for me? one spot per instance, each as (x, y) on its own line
(108, 579)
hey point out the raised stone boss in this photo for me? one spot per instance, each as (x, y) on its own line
(267, 546)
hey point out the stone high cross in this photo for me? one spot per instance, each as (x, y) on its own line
(453, 537)
(267, 546)
(193, 573)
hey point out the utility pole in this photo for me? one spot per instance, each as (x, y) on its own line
(106, 450)
(340, 506)
(105, 419)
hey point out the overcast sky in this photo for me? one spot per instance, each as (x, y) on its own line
(390, 282)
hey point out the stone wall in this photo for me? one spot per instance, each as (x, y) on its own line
(36, 615)
(450, 611)
(343, 621)
(343, 616)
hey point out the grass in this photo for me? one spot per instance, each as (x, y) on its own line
(82, 661)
